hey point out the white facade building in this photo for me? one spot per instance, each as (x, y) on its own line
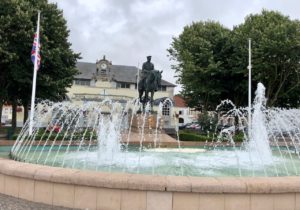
(104, 80)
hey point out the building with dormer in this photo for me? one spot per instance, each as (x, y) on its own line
(100, 80)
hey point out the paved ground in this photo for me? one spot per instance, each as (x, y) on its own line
(11, 203)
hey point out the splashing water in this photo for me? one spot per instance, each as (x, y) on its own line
(259, 141)
(101, 136)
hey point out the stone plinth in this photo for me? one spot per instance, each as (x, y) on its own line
(146, 122)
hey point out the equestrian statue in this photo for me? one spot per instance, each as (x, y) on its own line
(149, 82)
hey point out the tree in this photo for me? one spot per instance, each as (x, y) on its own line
(212, 60)
(276, 55)
(202, 68)
(17, 25)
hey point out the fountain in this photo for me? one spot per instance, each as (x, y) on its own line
(109, 138)
(96, 136)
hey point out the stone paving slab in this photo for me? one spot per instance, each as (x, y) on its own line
(11, 203)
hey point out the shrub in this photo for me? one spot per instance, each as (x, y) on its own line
(238, 137)
(186, 136)
(45, 135)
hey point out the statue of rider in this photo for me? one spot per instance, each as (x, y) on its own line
(146, 68)
(148, 83)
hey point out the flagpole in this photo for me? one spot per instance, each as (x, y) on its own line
(249, 90)
(34, 75)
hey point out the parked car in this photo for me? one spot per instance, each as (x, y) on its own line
(55, 128)
(193, 125)
(222, 127)
(184, 126)
(232, 128)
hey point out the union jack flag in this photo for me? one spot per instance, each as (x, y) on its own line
(36, 46)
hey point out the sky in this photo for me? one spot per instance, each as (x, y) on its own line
(126, 31)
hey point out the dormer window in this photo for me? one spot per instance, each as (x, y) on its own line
(123, 85)
(82, 82)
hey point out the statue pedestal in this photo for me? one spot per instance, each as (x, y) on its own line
(148, 122)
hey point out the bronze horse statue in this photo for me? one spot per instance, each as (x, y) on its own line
(149, 84)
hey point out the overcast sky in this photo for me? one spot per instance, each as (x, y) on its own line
(126, 31)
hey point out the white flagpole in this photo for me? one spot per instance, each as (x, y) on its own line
(35, 68)
(249, 91)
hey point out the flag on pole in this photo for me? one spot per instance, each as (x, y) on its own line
(36, 59)
(36, 47)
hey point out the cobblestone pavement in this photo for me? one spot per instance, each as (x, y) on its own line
(11, 203)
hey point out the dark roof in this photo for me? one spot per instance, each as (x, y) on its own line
(119, 73)
(122, 73)
(86, 70)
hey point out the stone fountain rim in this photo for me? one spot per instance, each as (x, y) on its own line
(247, 185)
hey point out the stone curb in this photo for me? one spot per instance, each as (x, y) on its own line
(247, 185)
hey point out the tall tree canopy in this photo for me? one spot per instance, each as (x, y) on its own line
(212, 60)
(201, 55)
(17, 25)
(276, 55)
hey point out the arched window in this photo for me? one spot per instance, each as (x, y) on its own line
(166, 108)
(181, 120)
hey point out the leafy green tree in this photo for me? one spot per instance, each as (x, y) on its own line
(212, 60)
(208, 122)
(17, 25)
(276, 55)
(15, 29)
(201, 53)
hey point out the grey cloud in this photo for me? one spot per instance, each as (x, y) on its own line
(128, 30)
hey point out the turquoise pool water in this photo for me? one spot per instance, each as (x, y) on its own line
(4, 151)
(201, 161)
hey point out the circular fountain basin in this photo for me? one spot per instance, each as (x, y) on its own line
(100, 190)
(143, 178)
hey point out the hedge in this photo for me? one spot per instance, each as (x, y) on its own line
(194, 137)
(189, 136)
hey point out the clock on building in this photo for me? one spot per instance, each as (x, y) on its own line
(103, 69)
(103, 65)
